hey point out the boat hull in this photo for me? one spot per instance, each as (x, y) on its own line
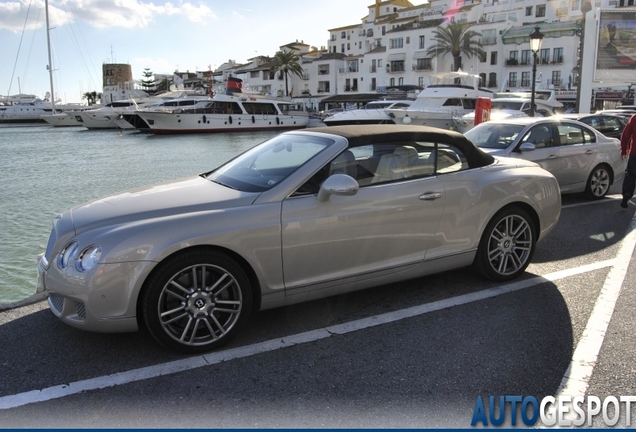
(172, 123)
(357, 122)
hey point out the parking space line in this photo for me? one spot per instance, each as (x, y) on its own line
(577, 377)
(121, 378)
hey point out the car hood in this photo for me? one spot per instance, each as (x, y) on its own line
(158, 200)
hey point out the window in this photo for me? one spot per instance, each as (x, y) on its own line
(489, 37)
(540, 11)
(342, 48)
(424, 64)
(557, 55)
(540, 136)
(397, 66)
(396, 43)
(422, 44)
(482, 79)
(556, 78)
(576, 5)
(408, 40)
(525, 79)
(512, 79)
(526, 57)
(492, 79)
(529, 11)
(544, 56)
(570, 135)
(343, 35)
(420, 81)
(493, 57)
(392, 162)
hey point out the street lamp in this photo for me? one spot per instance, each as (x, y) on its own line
(536, 37)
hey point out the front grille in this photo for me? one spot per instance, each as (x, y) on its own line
(57, 303)
(80, 310)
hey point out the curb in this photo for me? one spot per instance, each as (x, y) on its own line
(35, 298)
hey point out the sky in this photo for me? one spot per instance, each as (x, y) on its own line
(160, 35)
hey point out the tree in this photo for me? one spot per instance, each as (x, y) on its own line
(456, 38)
(162, 86)
(148, 82)
(91, 97)
(286, 62)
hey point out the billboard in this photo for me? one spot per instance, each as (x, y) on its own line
(616, 46)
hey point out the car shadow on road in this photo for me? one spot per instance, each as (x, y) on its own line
(428, 368)
(585, 229)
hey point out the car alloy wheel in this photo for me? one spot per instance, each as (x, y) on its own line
(599, 182)
(196, 301)
(506, 246)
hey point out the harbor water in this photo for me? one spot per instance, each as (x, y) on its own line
(46, 170)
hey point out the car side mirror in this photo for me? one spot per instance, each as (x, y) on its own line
(526, 147)
(338, 184)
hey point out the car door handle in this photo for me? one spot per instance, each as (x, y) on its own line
(553, 157)
(430, 196)
(589, 152)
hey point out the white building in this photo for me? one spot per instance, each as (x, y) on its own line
(388, 49)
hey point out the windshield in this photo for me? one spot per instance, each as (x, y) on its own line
(266, 165)
(493, 135)
(509, 105)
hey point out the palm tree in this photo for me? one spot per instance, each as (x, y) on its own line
(456, 38)
(286, 62)
(91, 97)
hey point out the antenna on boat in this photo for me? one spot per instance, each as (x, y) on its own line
(48, 44)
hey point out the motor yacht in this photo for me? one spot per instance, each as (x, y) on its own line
(450, 94)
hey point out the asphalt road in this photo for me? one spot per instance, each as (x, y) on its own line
(416, 354)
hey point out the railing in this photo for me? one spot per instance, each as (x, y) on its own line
(372, 69)
(323, 72)
(422, 67)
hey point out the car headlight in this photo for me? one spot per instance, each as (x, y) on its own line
(67, 254)
(89, 257)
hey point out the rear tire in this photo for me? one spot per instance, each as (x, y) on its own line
(506, 246)
(196, 301)
(599, 182)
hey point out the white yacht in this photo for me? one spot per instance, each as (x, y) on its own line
(372, 113)
(514, 104)
(450, 94)
(25, 111)
(65, 115)
(105, 117)
(231, 112)
(132, 119)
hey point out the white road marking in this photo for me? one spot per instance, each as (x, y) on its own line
(121, 378)
(577, 377)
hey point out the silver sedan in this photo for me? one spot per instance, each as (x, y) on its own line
(304, 215)
(581, 158)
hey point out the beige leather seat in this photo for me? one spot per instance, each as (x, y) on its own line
(393, 166)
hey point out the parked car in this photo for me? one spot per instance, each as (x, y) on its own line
(304, 215)
(625, 113)
(581, 158)
(608, 124)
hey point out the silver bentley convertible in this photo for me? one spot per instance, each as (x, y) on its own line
(304, 215)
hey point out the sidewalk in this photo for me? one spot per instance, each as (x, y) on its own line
(35, 298)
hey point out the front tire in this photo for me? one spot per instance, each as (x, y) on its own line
(196, 301)
(599, 182)
(506, 246)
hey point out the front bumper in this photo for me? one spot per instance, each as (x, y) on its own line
(108, 312)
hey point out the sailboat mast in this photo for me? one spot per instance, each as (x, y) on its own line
(48, 45)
